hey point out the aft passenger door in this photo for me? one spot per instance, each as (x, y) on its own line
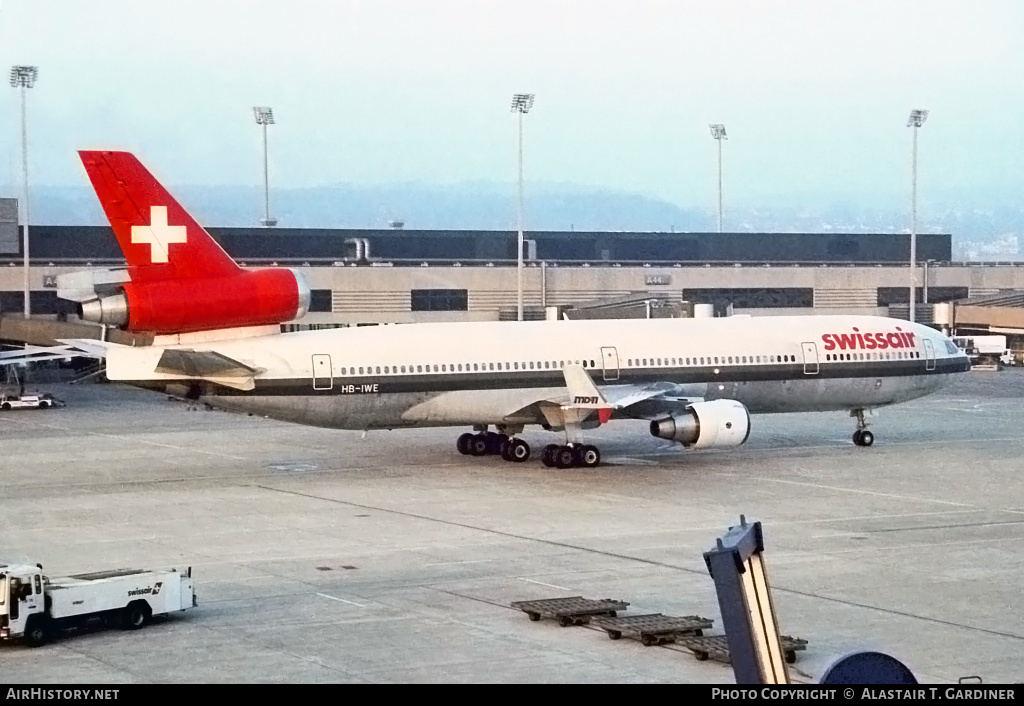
(810, 358)
(929, 355)
(610, 361)
(323, 378)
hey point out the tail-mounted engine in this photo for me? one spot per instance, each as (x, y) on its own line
(704, 425)
(250, 298)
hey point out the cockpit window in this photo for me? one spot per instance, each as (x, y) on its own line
(950, 348)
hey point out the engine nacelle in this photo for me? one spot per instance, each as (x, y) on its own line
(250, 298)
(704, 425)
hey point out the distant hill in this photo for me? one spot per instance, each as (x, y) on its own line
(475, 206)
(987, 231)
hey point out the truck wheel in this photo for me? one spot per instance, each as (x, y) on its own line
(135, 616)
(37, 632)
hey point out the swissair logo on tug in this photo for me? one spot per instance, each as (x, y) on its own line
(158, 234)
(868, 341)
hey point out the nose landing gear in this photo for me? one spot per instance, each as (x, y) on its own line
(862, 437)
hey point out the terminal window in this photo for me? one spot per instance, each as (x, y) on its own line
(440, 300)
(753, 297)
(900, 295)
(319, 300)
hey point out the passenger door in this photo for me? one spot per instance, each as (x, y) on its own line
(810, 350)
(610, 361)
(323, 378)
(929, 355)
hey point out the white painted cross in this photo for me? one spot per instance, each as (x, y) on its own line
(158, 234)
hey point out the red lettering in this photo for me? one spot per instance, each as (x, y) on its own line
(910, 340)
(897, 343)
(882, 343)
(829, 343)
(846, 340)
(869, 342)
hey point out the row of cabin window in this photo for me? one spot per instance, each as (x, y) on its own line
(888, 355)
(462, 367)
(712, 360)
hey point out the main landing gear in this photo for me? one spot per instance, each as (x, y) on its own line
(489, 443)
(570, 455)
(862, 437)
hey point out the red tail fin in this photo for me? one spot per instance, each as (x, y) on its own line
(159, 238)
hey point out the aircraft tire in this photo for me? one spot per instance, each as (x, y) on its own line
(565, 457)
(589, 456)
(463, 444)
(494, 443)
(478, 445)
(518, 450)
(866, 438)
(547, 456)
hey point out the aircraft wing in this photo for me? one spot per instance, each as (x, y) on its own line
(582, 398)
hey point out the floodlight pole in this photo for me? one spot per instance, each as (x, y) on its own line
(718, 132)
(521, 103)
(265, 116)
(24, 198)
(719, 185)
(917, 118)
(266, 179)
(24, 77)
(519, 247)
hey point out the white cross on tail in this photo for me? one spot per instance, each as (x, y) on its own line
(158, 234)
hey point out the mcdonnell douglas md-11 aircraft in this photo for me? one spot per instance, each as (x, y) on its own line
(218, 341)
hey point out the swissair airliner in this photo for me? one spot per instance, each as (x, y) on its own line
(218, 341)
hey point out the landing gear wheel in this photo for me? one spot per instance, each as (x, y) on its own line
(478, 445)
(506, 446)
(866, 438)
(494, 442)
(589, 456)
(856, 437)
(518, 450)
(547, 456)
(565, 457)
(463, 444)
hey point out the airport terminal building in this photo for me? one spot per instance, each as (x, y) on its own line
(397, 276)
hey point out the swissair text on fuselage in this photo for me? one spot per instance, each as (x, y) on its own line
(868, 341)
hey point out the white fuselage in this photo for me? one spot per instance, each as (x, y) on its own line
(451, 374)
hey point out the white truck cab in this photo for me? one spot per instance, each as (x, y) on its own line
(33, 606)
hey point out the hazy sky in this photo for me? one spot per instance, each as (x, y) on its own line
(814, 93)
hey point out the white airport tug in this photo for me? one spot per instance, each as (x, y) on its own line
(33, 606)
